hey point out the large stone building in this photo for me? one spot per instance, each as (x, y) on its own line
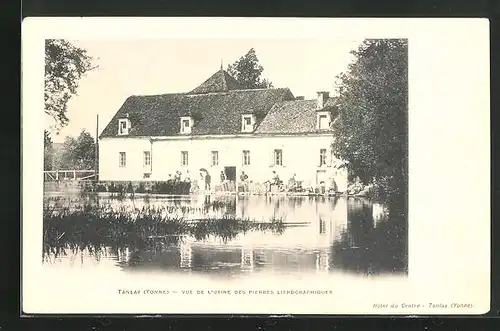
(222, 128)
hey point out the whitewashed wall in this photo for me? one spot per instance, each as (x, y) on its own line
(109, 149)
(300, 156)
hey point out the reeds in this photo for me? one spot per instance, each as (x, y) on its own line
(95, 226)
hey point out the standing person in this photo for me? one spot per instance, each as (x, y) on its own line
(177, 176)
(207, 181)
(195, 186)
(223, 180)
(186, 183)
(176, 186)
(292, 183)
(244, 178)
(276, 178)
(202, 179)
(270, 182)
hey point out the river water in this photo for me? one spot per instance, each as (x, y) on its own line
(326, 235)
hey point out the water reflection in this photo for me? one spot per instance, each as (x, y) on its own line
(319, 234)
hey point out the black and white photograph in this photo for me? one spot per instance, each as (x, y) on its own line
(183, 171)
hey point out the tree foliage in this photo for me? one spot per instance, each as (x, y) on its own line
(78, 153)
(372, 123)
(65, 65)
(48, 151)
(247, 72)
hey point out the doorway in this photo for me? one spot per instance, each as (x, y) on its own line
(230, 173)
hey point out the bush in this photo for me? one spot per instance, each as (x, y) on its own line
(171, 187)
(116, 188)
(140, 189)
(130, 188)
(101, 188)
(88, 187)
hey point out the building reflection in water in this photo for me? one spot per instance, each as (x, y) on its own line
(322, 234)
(186, 254)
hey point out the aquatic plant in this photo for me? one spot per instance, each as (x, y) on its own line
(91, 225)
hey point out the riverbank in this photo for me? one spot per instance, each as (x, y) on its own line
(154, 189)
(184, 187)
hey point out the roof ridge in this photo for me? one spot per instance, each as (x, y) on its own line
(155, 95)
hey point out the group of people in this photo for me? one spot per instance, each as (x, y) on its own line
(204, 178)
(225, 182)
(206, 181)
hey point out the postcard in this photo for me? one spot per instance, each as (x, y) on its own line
(271, 166)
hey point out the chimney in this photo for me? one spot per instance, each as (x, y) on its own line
(322, 99)
(300, 97)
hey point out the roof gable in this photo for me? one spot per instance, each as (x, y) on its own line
(221, 81)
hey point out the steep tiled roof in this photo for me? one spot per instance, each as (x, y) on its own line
(213, 113)
(221, 81)
(296, 116)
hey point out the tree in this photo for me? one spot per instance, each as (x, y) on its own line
(78, 153)
(247, 72)
(65, 65)
(48, 151)
(372, 122)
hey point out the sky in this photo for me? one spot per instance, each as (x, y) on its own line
(149, 66)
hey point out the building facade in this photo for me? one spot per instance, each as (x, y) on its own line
(221, 128)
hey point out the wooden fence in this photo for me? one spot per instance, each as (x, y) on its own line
(57, 175)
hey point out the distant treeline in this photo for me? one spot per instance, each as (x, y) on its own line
(74, 154)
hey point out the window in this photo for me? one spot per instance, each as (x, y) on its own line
(123, 159)
(184, 158)
(322, 157)
(322, 226)
(146, 175)
(323, 122)
(186, 125)
(123, 126)
(147, 158)
(247, 123)
(214, 161)
(246, 157)
(278, 157)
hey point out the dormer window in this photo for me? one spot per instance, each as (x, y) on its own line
(123, 126)
(186, 124)
(247, 123)
(323, 121)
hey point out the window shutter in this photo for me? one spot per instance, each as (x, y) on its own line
(271, 158)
